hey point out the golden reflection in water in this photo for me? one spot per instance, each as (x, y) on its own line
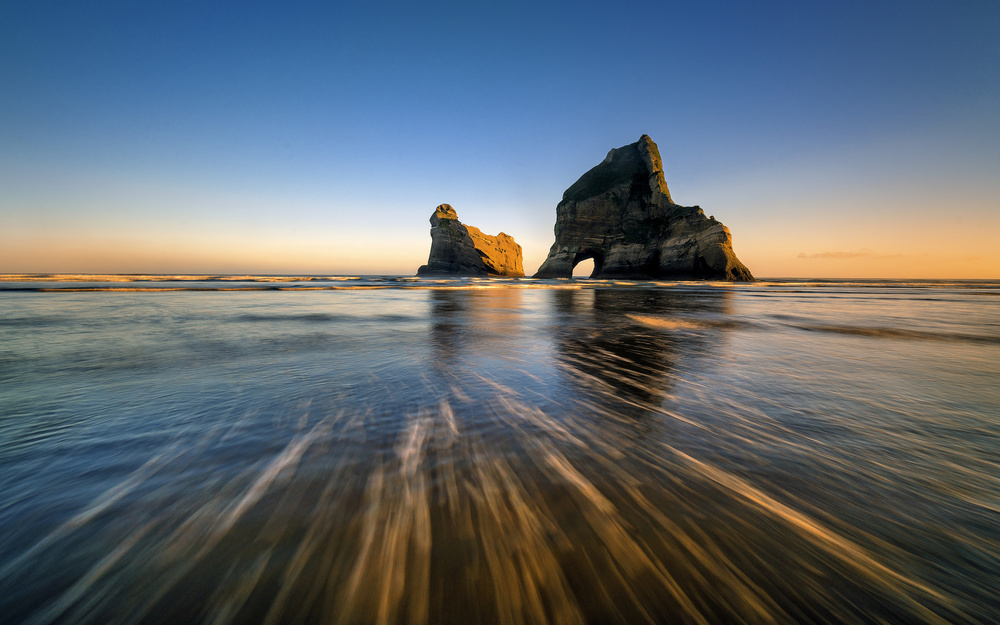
(464, 321)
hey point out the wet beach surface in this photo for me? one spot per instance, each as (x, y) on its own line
(401, 451)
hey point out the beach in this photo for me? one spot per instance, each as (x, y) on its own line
(386, 449)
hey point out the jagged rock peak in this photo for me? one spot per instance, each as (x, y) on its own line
(620, 214)
(444, 211)
(460, 250)
(621, 165)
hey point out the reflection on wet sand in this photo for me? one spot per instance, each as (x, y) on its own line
(497, 495)
(466, 322)
(611, 358)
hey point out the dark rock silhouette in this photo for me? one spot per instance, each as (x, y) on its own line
(620, 214)
(461, 250)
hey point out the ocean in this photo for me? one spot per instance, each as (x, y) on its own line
(378, 449)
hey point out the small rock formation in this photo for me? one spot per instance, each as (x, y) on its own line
(460, 250)
(621, 215)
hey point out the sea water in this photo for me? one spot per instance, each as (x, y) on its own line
(240, 449)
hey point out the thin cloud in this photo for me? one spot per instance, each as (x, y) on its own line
(835, 255)
(849, 255)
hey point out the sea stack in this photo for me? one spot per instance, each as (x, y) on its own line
(620, 214)
(461, 250)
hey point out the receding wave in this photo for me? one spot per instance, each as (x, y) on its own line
(316, 317)
(319, 317)
(32, 322)
(899, 333)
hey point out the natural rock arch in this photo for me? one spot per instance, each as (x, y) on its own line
(621, 212)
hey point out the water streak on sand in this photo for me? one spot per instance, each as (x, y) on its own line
(495, 509)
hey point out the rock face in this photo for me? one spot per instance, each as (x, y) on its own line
(621, 215)
(460, 250)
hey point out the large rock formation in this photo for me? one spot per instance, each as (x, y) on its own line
(460, 250)
(621, 215)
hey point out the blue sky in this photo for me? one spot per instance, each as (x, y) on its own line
(853, 139)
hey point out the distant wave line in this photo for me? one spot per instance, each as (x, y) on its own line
(144, 283)
(142, 277)
(167, 289)
(211, 289)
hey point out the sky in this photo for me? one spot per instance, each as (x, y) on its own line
(838, 140)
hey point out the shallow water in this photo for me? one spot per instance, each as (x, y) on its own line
(393, 450)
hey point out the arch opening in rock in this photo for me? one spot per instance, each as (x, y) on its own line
(584, 269)
(587, 264)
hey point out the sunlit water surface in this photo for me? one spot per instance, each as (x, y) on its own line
(378, 450)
